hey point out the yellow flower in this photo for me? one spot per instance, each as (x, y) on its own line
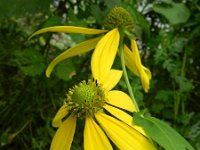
(105, 46)
(90, 101)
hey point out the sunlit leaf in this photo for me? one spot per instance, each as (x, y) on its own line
(175, 13)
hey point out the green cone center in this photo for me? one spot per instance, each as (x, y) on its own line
(85, 99)
(84, 94)
(119, 17)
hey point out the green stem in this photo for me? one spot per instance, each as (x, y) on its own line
(179, 100)
(183, 75)
(121, 53)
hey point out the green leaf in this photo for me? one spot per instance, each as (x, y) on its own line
(30, 62)
(20, 8)
(162, 133)
(141, 25)
(65, 69)
(185, 85)
(175, 13)
(74, 20)
(52, 21)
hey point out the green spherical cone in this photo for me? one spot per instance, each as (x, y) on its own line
(119, 17)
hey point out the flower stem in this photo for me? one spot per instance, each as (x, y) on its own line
(121, 53)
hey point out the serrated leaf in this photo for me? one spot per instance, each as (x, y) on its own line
(162, 133)
(184, 84)
(175, 14)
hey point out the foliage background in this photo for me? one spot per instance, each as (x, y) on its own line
(168, 34)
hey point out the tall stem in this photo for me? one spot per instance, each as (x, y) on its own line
(121, 53)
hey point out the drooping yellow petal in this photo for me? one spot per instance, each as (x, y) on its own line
(123, 116)
(104, 55)
(148, 72)
(62, 112)
(143, 76)
(122, 135)
(68, 29)
(78, 49)
(130, 61)
(63, 138)
(133, 62)
(94, 137)
(111, 80)
(121, 100)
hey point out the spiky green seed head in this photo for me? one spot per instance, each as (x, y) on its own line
(119, 17)
(85, 99)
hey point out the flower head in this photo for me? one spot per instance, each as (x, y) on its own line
(105, 46)
(106, 113)
(90, 101)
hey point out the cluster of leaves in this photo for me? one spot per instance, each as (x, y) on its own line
(167, 34)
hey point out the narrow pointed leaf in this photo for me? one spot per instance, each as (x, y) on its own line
(162, 133)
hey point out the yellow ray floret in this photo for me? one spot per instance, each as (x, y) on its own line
(68, 29)
(62, 112)
(123, 116)
(121, 100)
(111, 80)
(73, 51)
(133, 62)
(104, 54)
(94, 137)
(124, 136)
(63, 138)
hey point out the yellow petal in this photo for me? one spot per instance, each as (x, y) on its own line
(133, 62)
(143, 76)
(63, 138)
(122, 135)
(78, 49)
(94, 137)
(121, 100)
(111, 80)
(62, 112)
(148, 72)
(130, 61)
(104, 55)
(123, 116)
(68, 29)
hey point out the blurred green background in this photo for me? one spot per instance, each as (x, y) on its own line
(168, 34)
